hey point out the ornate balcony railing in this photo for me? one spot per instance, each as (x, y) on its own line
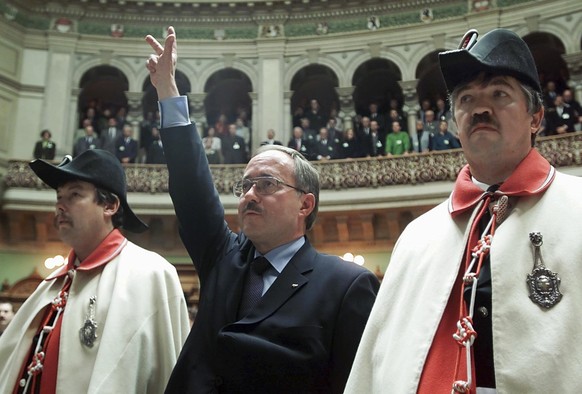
(561, 151)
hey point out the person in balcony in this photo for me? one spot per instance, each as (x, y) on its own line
(126, 148)
(155, 152)
(45, 148)
(88, 142)
(444, 139)
(397, 142)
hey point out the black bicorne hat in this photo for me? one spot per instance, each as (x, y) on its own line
(499, 52)
(95, 166)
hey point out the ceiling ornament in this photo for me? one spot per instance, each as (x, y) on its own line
(426, 15)
(63, 25)
(373, 22)
(322, 28)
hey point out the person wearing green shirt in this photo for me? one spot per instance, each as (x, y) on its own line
(397, 142)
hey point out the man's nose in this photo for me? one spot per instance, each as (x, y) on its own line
(482, 105)
(59, 207)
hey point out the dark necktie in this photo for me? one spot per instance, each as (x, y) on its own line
(253, 290)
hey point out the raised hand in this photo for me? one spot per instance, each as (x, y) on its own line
(162, 65)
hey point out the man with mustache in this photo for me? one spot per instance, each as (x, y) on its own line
(275, 316)
(6, 315)
(483, 292)
(113, 319)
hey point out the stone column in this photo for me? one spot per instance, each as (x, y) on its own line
(411, 106)
(197, 114)
(56, 106)
(135, 111)
(574, 62)
(75, 120)
(285, 134)
(269, 89)
(135, 117)
(255, 137)
(346, 98)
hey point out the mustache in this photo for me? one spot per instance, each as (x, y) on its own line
(60, 217)
(484, 118)
(252, 206)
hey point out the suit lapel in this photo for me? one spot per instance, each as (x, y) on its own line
(289, 281)
(245, 256)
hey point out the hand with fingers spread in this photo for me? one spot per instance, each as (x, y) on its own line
(162, 65)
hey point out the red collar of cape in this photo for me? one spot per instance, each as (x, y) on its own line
(107, 250)
(533, 175)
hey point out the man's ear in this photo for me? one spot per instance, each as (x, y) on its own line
(111, 208)
(536, 121)
(307, 204)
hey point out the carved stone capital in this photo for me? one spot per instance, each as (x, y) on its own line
(409, 91)
(196, 101)
(574, 62)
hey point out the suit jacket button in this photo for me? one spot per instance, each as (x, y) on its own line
(218, 381)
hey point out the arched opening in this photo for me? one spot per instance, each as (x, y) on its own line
(149, 101)
(376, 81)
(431, 85)
(102, 95)
(547, 51)
(150, 96)
(228, 97)
(317, 82)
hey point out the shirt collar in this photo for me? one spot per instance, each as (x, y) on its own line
(481, 185)
(281, 255)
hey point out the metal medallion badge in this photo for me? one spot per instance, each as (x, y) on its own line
(544, 285)
(88, 332)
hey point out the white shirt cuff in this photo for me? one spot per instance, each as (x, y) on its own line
(174, 112)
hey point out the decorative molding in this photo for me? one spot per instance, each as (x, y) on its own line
(239, 22)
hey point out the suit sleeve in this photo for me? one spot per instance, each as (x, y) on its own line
(196, 202)
(354, 312)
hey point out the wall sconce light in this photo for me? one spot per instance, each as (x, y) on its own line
(54, 262)
(358, 259)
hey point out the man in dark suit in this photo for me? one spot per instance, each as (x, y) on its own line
(324, 147)
(89, 141)
(302, 334)
(126, 146)
(315, 115)
(298, 143)
(45, 148)
(110, 135)
(271, 139)
(378, 117)
(561, 118)
(155, 153)
(373, 144)
(234, 149)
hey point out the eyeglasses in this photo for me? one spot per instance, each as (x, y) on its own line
(264, 185)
